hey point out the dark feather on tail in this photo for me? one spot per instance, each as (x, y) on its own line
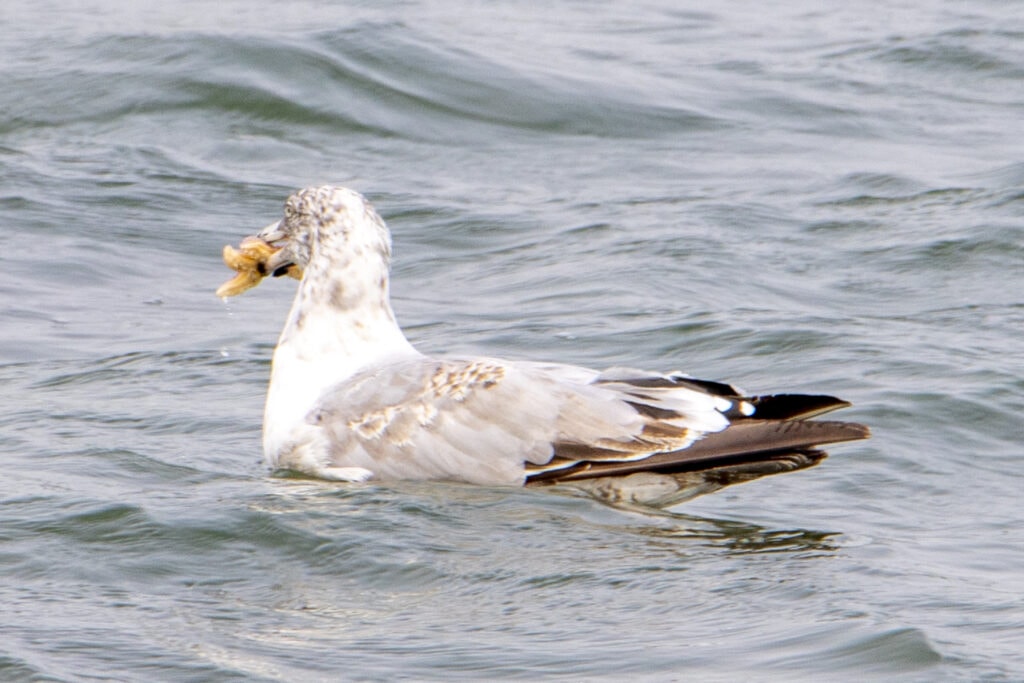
(776, 437)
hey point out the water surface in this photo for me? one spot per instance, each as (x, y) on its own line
(804, 198)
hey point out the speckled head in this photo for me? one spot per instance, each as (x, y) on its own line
(336, 223)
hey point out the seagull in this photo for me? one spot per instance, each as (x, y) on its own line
(350, 399)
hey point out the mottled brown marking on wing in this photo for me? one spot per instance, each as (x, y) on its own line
(448, 381)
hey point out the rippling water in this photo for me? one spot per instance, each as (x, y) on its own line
(809, 196)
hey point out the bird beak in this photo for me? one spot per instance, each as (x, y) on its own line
(280, 262)
(272, 233)
(267, 253)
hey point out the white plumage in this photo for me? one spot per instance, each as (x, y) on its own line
(351, 399)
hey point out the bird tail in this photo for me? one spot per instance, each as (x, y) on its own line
(778, 437)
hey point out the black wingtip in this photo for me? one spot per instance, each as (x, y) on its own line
(794, 406)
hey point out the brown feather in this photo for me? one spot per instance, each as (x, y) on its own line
(653, 490)
(744, 442)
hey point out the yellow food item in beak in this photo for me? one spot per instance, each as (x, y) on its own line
(250, 260)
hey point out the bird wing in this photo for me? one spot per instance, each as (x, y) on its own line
(486, 421)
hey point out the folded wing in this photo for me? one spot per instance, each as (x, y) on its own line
(494, 422)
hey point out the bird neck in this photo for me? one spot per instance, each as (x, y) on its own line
(342, 318)
(340, 322)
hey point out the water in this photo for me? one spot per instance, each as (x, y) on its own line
(808, 196)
